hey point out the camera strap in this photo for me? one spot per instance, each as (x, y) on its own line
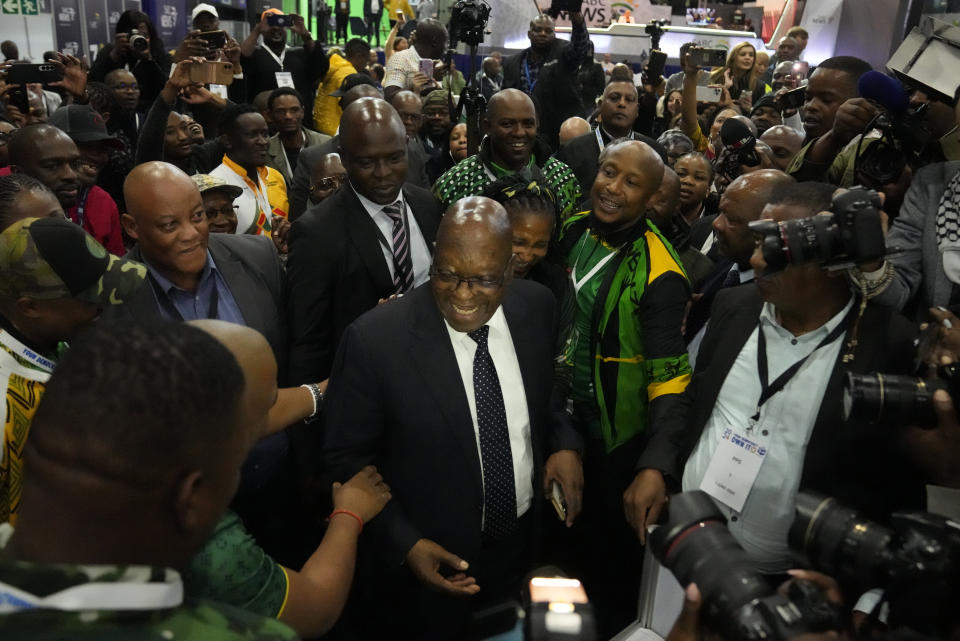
(768, 389)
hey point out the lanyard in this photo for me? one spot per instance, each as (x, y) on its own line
(632, 136)
(213, 307)
(82, 204)
(260, 196)
(287, 160)
(526, 72)
(283, 54)
(768, 389)
(578, 284)
(25, 352)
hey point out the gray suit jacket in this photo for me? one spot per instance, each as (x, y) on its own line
(252, 269)
(277, 159)
(299, 189)
(918, 268)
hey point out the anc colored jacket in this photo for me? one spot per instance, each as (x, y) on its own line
(639, 357)
(326, 108)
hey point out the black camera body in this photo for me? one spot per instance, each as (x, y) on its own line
(280, 20)
(901, 144)
(916, 560)
(897, 400)
(851, 233)
(738, 602)
(468, 20)
(138, 40)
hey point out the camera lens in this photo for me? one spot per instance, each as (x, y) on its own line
(840, 542)
(696, 545)
(771, 243)
(897, 400)
(811, 240)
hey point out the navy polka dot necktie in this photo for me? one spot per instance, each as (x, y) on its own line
(499, 488)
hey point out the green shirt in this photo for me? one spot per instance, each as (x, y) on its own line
(29, 606)
(232, 568)
(471, 175)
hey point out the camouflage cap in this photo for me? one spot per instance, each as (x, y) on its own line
(206, 182)
(54, 258)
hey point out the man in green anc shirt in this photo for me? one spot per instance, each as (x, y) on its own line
(510, 147)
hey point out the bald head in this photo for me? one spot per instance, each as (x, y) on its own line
(410, 109)
(509, 101)
(156, 185)
(474, 215)
(629, 174)
(356, 93)
(572, 128)
(784, 144)
(741, 203)
(373, 149)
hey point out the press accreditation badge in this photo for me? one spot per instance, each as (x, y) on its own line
(284, 79)
(733, 469)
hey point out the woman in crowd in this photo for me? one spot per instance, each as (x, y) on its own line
(739, 69)
(676, 143)
(695, 173)
(456, 151)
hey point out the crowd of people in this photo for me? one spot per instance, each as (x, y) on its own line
(287, 356)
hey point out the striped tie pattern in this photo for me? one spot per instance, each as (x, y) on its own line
(402, 262)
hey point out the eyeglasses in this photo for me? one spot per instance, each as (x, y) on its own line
(330, 182)
(126, 87)
(446, 280)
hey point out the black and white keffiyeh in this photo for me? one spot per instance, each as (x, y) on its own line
(948, 229)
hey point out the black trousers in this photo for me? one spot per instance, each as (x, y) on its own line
(373, 26)
(342, 20)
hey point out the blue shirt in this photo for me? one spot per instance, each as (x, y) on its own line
(192, 306)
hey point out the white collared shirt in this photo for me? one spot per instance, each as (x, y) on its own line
(500, 346)
(419, 252)
(786, 422)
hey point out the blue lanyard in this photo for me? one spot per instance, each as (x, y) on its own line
(82, 204)
(526, 71)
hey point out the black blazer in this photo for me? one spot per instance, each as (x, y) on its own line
(251, 267)
(337, 272)
(582, 155)
(859, 463)
(396, 400)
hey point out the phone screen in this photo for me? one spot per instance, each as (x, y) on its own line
(426, 68)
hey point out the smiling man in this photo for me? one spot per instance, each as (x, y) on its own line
(245, 136)
(51, 156)
(510, 147)
(627, 362)
(368, 241)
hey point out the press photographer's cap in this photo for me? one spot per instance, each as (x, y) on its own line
(203, 7)
(54, 258)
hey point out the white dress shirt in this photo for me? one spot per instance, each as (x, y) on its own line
(786, 422)
(500, 346)
(419, 252)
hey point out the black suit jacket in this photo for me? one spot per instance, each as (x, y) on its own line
(396, 399)
(299, 189)
(251, 267)
(859, 463)
(582, 155)
(337, 271)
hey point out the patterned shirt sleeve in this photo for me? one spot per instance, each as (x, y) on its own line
(564, 184)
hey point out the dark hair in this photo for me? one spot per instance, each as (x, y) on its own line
(848, 64)
(378, 71)
(228, 117)
(520, 195)
(356, 47)
(816, 196)
(10, 188)
(102, 99)
(697, 154)
(22, 140)
(283, 91)
(135, 402)
(131, 19)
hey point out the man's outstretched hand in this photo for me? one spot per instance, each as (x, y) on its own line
(425, 559)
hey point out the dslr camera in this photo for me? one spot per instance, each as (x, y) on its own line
(916, 560)
(902, 143)
(468, 19)
(897, 400)
(138, 40)
(850, 233)
(738, 602)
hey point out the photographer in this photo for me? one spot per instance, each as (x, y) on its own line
(137, 48)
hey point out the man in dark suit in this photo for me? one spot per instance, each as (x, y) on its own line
(770, 374)
(299, 190)
(449, 390)
(369, 241)
(193, 274)
(618, 111)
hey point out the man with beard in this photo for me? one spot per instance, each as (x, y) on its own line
(547, 69)
(263, 205)
(618, 111)
(510, 148)
(435, 131)
(627, 365)
(49, 154)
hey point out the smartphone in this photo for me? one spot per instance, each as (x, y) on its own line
(655, 64)
(280, 20)
(426, 67)
(212, 72)
(21, 74)
(18, 97)
(709, 57)
(800, 70)
(214, 39)
(556, 590)
(558, 501)
(710, 93)
(793, 99)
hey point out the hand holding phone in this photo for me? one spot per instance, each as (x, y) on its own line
(426, 67)
(558, 501)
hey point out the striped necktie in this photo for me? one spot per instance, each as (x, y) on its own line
(402, 262)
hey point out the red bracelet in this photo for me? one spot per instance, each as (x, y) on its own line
(348, 512)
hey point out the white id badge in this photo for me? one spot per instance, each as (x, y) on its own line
(284, 79)
(733, 469)
(219, 90)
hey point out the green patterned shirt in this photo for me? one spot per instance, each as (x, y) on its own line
(471, 175)
(34, 605)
